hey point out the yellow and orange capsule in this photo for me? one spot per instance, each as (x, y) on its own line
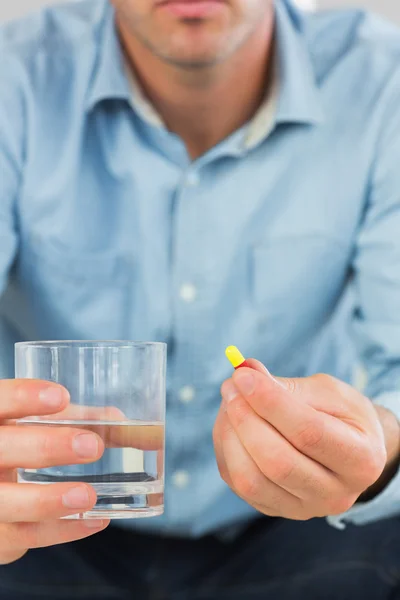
(236, 358)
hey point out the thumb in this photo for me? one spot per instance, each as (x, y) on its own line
(289, 384)
(277, 400)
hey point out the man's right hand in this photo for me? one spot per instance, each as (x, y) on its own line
(30, 513)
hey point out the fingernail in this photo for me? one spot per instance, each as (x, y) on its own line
(76, 498)
(229, 392)
(86, 445)
(93, 523)
(245, 382)
(52, 397)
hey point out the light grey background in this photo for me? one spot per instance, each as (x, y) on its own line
(390, 8)
(17, 8)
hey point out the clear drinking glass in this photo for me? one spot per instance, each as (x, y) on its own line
(117, 390)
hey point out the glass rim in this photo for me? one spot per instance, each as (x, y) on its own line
(90, 344)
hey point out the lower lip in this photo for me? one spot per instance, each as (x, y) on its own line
(200, 9)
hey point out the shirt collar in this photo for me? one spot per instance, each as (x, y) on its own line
(139, 100)
(299, 96)
(109, 79)
(263, 122)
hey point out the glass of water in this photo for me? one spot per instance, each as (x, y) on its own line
(117, 390)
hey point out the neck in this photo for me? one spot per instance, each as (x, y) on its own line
(204, 106)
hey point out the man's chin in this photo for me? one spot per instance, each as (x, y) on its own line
(193, 61)
(196, 52)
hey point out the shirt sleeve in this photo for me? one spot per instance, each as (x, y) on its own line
(377, 287)
(11, 160)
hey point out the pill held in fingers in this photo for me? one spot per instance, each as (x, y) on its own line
(236, 358)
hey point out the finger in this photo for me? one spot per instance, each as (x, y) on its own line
(22, 536)
(322, 437)
(25, 397)
(250, 484)
(8, 476)
(139, 435)
(31, 502)
(142, 437)
(35, 446)
(7, 554)
(256, 365)
(160, 464)
(278, 460)
(82, 412)
(221, 422)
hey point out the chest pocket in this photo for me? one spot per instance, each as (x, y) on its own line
(297, 281)
(77, 294)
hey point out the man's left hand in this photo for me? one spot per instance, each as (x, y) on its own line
(301, 448)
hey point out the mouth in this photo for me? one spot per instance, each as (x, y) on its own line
(192, 9)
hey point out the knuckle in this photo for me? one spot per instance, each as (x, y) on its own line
(340, 504)
(326, 381)
(280, 469)
(316, 487)
(371, 466)
(310, 435)
(247, 484)
(368, 463)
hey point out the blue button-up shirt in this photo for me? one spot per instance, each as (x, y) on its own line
(288, 246)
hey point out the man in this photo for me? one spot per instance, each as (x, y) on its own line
(207, 173)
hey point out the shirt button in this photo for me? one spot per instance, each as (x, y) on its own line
(192, 179)
(188, 292)
(181, 479)
(187, 394)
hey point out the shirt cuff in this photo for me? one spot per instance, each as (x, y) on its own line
(387, 503)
